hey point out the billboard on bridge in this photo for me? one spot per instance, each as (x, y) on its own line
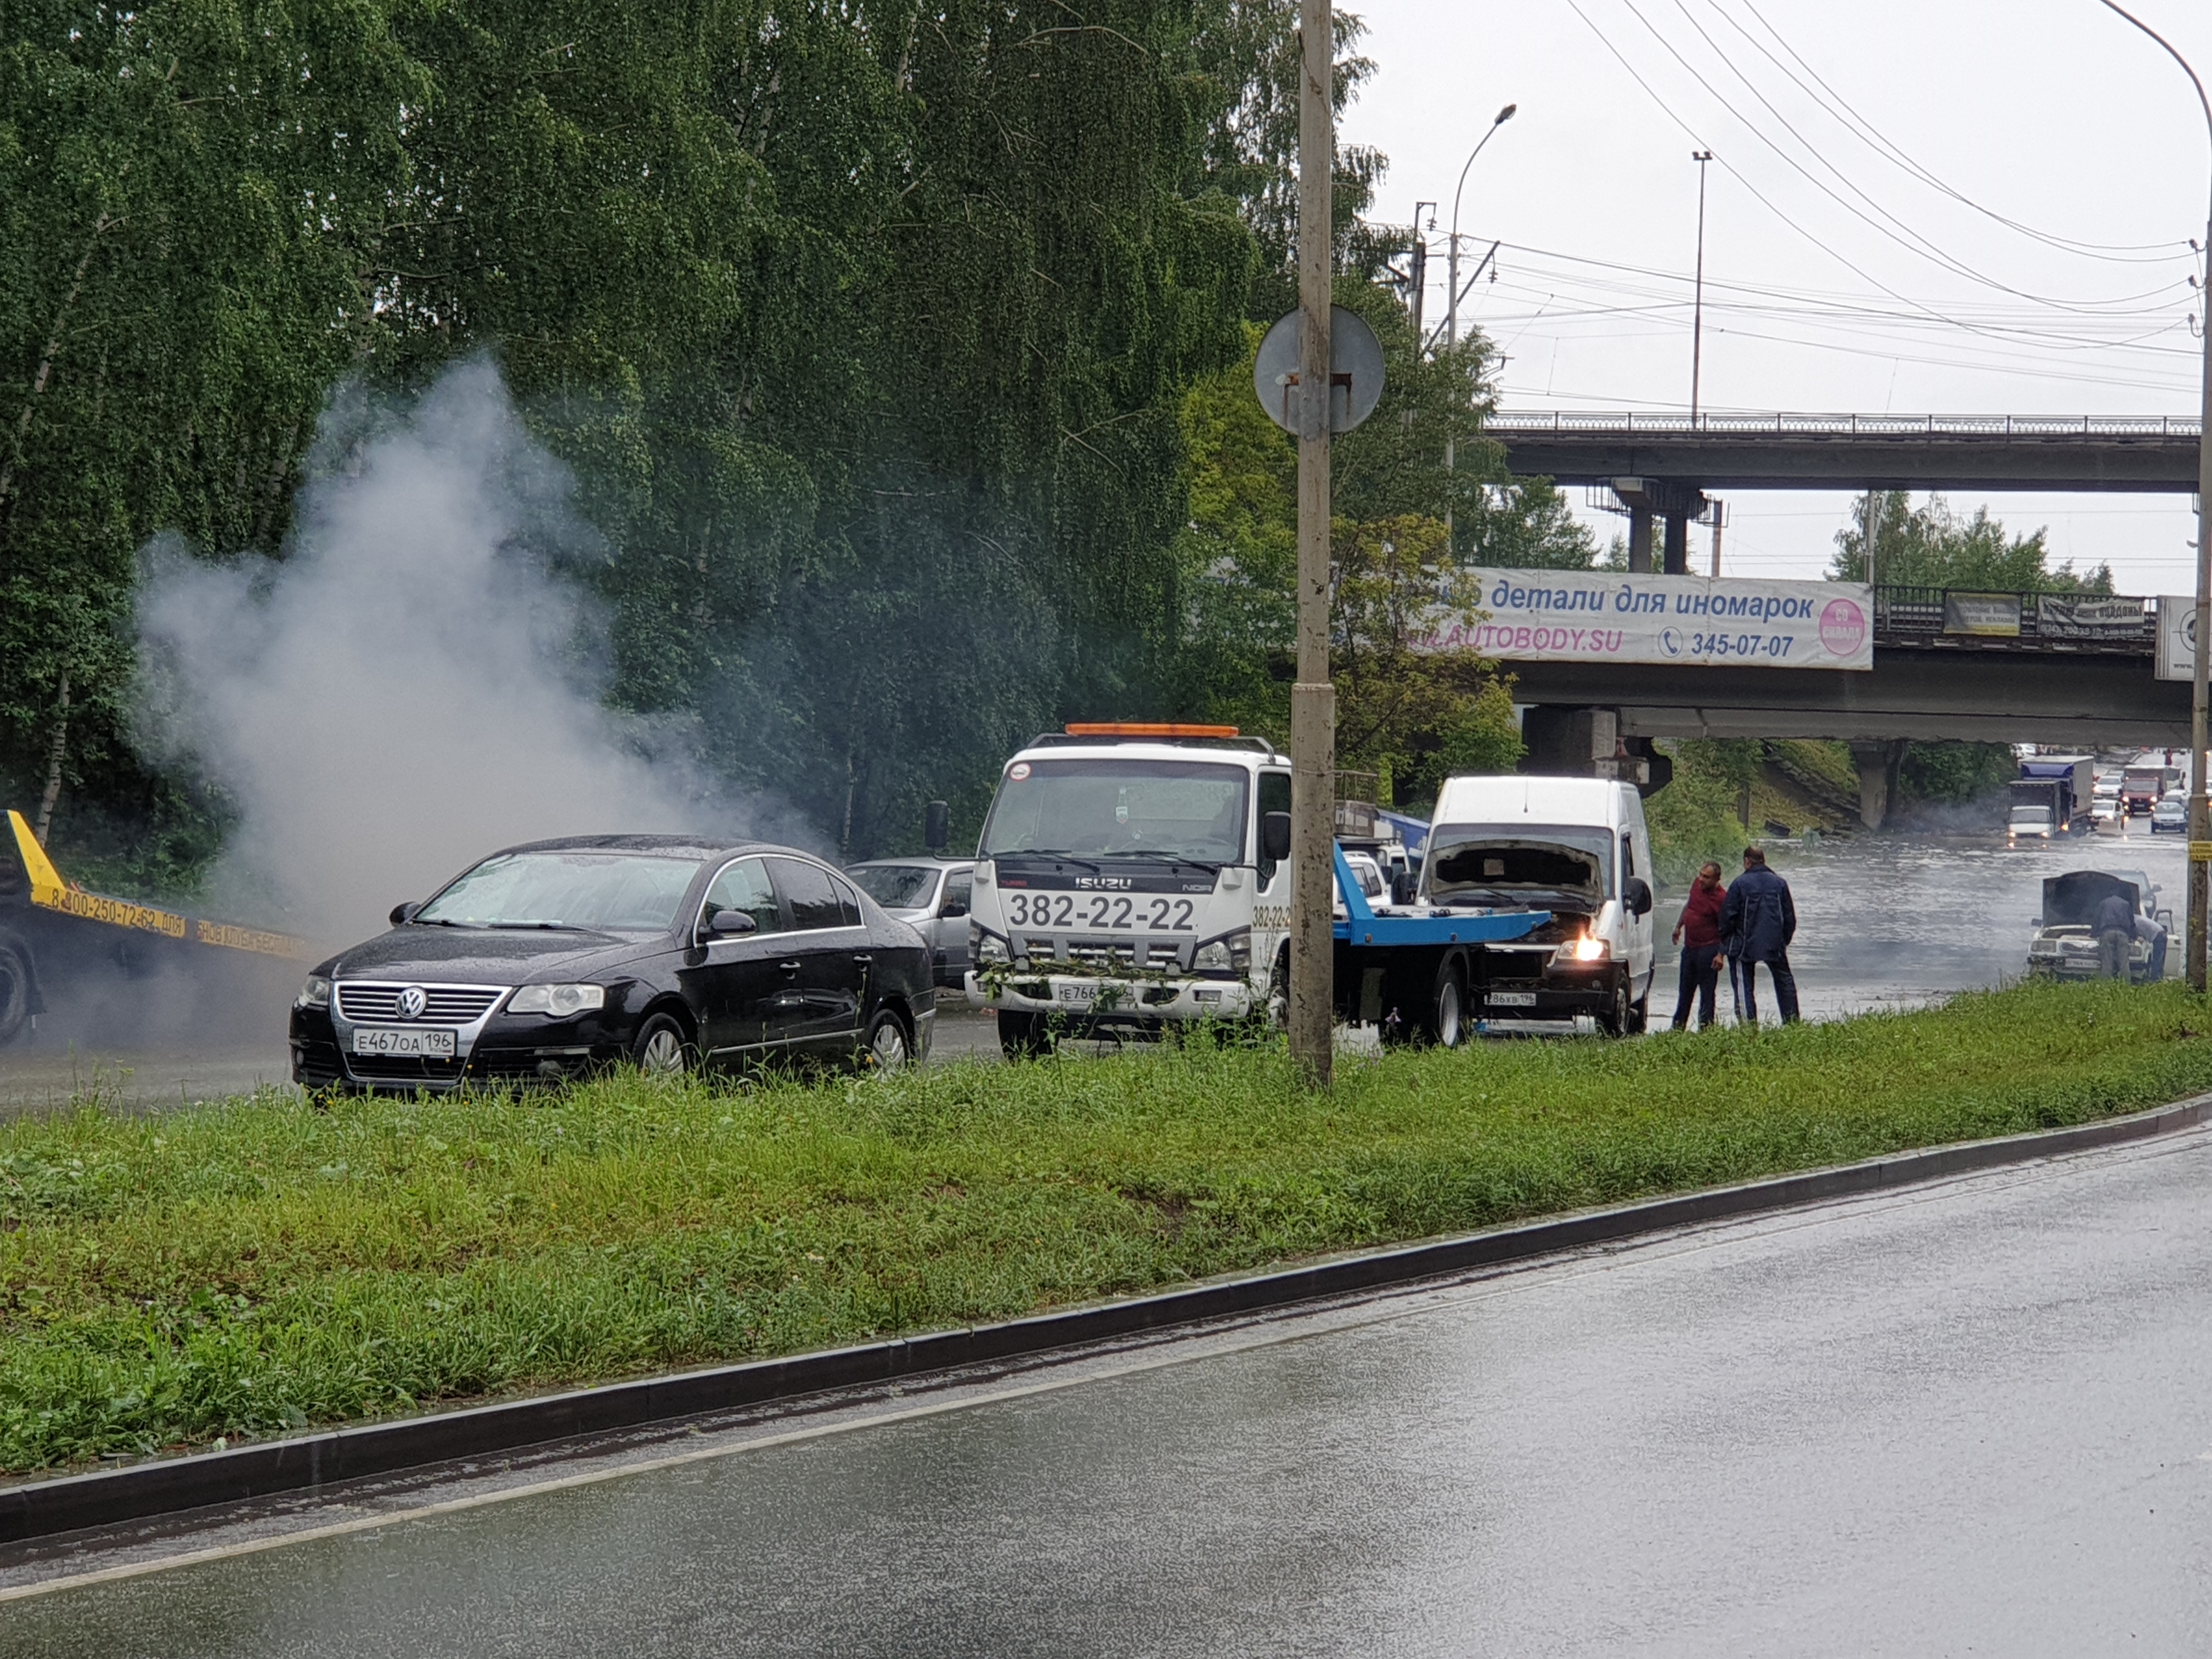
(1609, 616)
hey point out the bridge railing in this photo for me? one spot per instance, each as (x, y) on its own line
(2018, 621)
(1507, 423)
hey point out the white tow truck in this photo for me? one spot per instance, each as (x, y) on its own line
(1135, 877)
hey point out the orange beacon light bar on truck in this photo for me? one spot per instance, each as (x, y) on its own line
(1146, 729)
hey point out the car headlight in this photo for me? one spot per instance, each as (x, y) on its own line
(558, 1001)
(1229, 955)
(315, 993)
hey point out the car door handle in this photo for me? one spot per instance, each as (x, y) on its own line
(788, 966)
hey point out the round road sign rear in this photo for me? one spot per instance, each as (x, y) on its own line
(1355, 363)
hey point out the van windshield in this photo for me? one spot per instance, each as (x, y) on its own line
(1193, 810)
(1471, 863)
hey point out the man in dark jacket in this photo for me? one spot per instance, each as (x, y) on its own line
(2115, 928)
(1758, 920)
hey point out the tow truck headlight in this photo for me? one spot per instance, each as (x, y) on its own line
(1590, 948)
(984, 947)
(1231, 954)
(558, 1001)
(315, 993)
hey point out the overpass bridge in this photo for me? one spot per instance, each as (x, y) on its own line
(2032, 671)
(1661, 465)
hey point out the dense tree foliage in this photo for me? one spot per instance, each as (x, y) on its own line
(1932, 546)
(894, 348)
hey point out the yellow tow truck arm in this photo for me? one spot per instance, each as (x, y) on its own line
(50, 892)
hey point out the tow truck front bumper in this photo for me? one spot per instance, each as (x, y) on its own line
(1091, 1000)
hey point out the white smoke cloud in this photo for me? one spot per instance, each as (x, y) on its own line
(401, 693)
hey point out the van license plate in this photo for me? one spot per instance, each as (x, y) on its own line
(1078, 992)
(1512, 998)
(422, 1045)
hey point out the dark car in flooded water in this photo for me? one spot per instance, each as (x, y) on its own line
(559, 957)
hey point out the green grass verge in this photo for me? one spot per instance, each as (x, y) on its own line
(262, 1266)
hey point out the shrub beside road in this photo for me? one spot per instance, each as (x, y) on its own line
(262, 1266)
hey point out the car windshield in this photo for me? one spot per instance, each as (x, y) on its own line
(1179, 808)
(602, 892)
(895, 886)
(2031, 815)
(1477, 862)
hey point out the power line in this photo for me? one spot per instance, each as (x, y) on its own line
(1882, 145)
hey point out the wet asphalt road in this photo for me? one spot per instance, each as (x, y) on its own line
(1884, 922)
(1973, 1418)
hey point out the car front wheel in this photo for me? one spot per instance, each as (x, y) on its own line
(661, 1049)
(888, 1048)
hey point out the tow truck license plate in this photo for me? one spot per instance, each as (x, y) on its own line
(1512, 998)
(422, 1044)
(1078, 992)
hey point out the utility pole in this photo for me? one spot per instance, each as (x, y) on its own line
(1697, 309)
(1313, 697)
(1420, 262)
(1869, 521)
(2200, 689)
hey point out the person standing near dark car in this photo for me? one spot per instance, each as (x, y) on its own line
(1758, 920)
(1698, 933)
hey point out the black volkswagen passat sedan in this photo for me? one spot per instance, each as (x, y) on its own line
(551, 959)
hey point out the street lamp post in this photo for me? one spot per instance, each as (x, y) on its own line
(1451, 254)
(2200, 821)
(1697, 309)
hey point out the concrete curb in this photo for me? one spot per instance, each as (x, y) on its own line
(40, 1508)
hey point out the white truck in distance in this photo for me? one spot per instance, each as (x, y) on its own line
(1126, 879)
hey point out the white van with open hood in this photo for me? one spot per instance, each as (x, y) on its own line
(1575, 847)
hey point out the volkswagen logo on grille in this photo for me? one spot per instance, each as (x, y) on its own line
(411, 1002)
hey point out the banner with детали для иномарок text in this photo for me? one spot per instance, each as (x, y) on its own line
(1608, 615)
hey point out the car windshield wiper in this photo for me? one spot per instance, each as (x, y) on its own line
(447, 921)
(1213, 865)
(554, 927)
(1052, 853)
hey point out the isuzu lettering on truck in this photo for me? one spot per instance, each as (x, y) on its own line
(1131, 875)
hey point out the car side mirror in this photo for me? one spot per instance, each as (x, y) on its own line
(403, 913)
(936, 825)
(1275, 837)
(732, 924)
(1405, 887)
(1635, 893)
(953, 907)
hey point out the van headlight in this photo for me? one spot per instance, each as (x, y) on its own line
(558, 1001)
(315, 993)
(1590, 948)
(1231, 954)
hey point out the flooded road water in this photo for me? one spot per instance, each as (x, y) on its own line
(1900, 920)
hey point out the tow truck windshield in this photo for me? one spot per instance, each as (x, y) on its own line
(1488, 864)
(592, 892)
(1173, 808)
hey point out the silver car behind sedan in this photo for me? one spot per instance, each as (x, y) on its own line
(931, 894)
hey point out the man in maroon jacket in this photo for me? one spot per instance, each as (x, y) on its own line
(1698, 934)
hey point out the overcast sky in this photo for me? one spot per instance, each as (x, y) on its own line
(1856, 257)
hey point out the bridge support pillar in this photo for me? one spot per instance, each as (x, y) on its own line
(1570, 743)
(1877, 764)
(1639, 539)
(1678, 544)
